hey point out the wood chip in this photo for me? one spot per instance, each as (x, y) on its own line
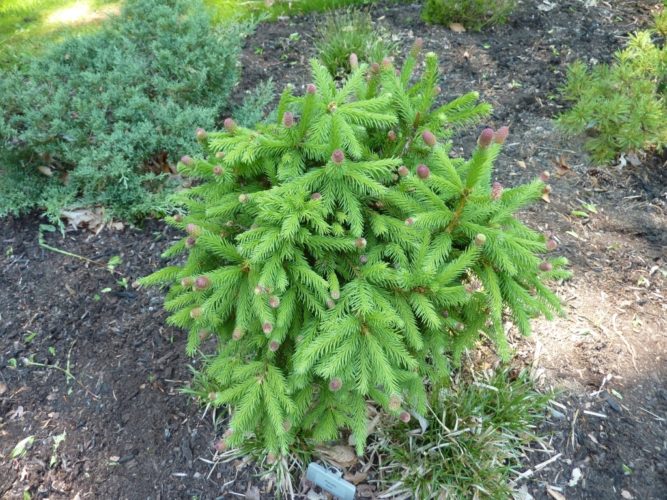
(555, 494)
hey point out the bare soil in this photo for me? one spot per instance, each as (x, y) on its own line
(130, 433)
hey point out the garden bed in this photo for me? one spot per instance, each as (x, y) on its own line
(131, 434)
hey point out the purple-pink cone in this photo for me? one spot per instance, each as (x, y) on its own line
(201, 134)
(195, 313)
(190, 242)
(363, 259)
(218, 170)
(501, 135)
(544, 176)
(274, 346)
(311, 89)
(330, 304)
(267, 327)
(288, 120)
(485, 138)
(403, 171)
(409, 221)
(429, 138)
(230, 125)
(335, 294)
(354, 61)
(386, 63)
(496, 191)
(237, 334)
(360, 243)
(375, 68)
(316, 196)
(186, 160)
(404, 417)
(187, 282)
(338, 156)
(545, 266)
(551, 245)
(423, 172)
(202, 283)
(391, 136)
(220, 445)
(193, 229)
(335, 384)
(274, 302)
(244, 198)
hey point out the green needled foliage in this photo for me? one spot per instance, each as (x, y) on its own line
(622, 107)
(344, 263)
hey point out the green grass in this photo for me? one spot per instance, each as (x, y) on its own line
(352, 31)
(27, 26)
(477, 433)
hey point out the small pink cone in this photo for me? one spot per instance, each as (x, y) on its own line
(485, 138)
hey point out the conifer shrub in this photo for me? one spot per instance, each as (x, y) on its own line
(475, 15)
(621, 107)
(351, 32)
(100, 118)
(340, 256)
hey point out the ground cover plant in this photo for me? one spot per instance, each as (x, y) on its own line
(340, 254)
(622, 106)
(127, 100)
(351, 32)
(473, 14)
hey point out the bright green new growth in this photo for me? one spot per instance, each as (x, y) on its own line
(336, 262)
(475, 15)
(622, 106)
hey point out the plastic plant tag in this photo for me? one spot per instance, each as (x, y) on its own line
(330, 481)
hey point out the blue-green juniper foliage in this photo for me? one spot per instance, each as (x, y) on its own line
(340, 255)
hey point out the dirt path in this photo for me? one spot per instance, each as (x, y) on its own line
(127, 431)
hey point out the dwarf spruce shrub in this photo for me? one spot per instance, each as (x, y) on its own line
(622, 107)
(98, 119)
(340, 256)
(475, 15)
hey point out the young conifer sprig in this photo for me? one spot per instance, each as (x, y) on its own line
(336, 262)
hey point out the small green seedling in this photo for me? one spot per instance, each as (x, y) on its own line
(22, 447)
(56, 442)
(30, 336)
(114, 262)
